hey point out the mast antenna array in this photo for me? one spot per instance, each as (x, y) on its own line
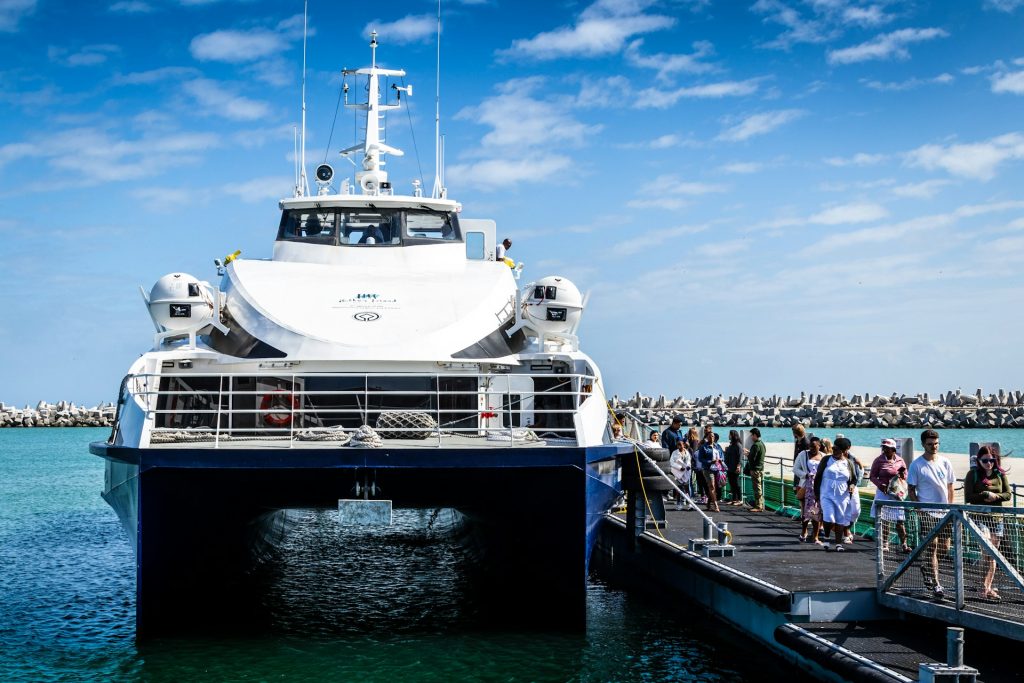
(439, 189)
(302, 187)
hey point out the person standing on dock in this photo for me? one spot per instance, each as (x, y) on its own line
(930, 480)
(707, 455)
(804, 479)
(835, 487)
(672, 435)
(733, 456)
(986, 484)
(883, 469)
(755, 469)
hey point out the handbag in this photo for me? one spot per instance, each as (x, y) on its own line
(801, 493)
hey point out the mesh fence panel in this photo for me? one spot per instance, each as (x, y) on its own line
(988, 587)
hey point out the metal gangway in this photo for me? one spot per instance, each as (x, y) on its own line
(975, 551)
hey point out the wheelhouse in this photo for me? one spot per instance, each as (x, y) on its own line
(368, 226)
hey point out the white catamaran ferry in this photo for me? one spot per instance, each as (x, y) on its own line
(385, 356)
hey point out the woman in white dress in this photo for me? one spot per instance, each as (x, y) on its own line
(835, 487)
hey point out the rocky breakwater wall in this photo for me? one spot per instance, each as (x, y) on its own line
(63, 414)
(950, 410)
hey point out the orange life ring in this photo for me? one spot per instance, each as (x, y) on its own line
(278, 399)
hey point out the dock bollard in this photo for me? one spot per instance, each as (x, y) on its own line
(954, 646)
(709, 534)
(953, 671)
(723, 533)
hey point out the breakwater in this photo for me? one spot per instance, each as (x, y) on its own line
(62, 414)
(950, 410)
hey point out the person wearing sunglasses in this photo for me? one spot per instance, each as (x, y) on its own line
(986, 484)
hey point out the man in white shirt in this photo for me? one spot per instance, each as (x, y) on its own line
(930, 480)
(500, 250)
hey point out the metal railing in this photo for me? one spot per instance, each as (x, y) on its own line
(290, 408)
(964, 566)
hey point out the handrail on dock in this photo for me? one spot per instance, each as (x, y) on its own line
(975, 551)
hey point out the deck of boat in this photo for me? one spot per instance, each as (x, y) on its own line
(453, 441)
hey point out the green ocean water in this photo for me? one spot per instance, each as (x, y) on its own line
(398, 610)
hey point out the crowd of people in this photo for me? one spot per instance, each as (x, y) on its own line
(826, 481)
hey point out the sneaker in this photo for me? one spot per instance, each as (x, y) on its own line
(840, 548)
(848, 538)
(929, 582)
(938, 592)
(802, 538)
(826, 546)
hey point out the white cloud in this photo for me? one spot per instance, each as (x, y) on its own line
(667, 203)
(167, 198)
(261, 189)
(494, 173)
(888, 233)
(1004, 5)
(872, 15)
(90, 55)
(601, 29)
(99, 158)
(909, 84)
(849, 213)
(131, 7)
(667, 141)
(216, 99)
(667, 65)
(413, 28)
(797, 29)
(13, 11)
(742, 167)
(523, 128)
(164, 73)
(717, 250)
(977, 160)
(1012, 82)
(760, 124)
(673, 185)
(885, 46)
(657, 98)
(237, 47)
(653, 238)
(859, 159)
(922, 190)
(518, 119)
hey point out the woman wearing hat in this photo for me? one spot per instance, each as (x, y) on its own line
(886, 467)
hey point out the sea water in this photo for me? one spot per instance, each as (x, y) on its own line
(397, 608)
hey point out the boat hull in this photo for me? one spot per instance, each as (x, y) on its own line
(199, 518)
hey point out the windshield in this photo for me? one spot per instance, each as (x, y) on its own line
(366, 226)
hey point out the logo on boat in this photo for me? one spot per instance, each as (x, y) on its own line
(366, 316)
(366, 296)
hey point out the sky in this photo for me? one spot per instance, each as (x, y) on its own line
(761, 196)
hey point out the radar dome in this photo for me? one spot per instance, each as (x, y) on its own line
(179, 301)
(553, 305)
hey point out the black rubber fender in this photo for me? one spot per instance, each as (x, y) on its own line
(656, 454)
(832, 657)
(654, 483)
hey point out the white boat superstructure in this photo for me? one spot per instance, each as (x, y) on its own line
(366, 282)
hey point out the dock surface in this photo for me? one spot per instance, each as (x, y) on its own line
(810, 581)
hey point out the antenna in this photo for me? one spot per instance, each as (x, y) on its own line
(295, 156)
(438, 183)
(304, 185)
